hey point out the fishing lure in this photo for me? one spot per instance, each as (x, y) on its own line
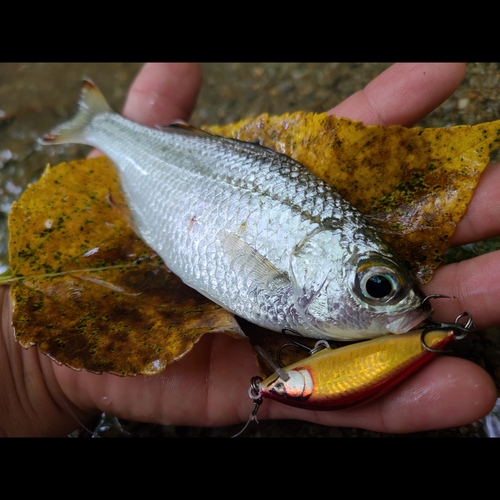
(333, 379)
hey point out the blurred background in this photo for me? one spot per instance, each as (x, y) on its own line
(36, 96)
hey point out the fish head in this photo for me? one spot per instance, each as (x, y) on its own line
(353, 291)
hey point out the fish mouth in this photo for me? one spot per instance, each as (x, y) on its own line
(405, 322)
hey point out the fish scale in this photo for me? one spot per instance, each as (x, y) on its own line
(252, 229)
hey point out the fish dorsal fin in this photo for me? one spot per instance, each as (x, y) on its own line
(181, 127)
(247, 261)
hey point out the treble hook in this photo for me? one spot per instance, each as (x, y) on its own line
(465, 328)
(435, 296)
(320, 345)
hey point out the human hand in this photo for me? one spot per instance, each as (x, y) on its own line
(208, 387)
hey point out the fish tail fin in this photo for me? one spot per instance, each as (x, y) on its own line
(91, 103)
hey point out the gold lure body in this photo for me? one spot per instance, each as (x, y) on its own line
(339, 378)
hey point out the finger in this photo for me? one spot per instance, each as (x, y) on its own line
(31, 403)
(482, 218)
(163, 92)
(207, 387)
(403, 94)
(448, 392)
(473, 285)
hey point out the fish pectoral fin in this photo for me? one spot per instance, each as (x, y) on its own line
(247, 261)
(124, 211)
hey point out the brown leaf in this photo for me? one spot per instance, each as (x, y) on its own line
(87, 290)
(414, 184)
(93, 296)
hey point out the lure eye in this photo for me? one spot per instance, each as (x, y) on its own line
(279, 388)
(378, 284)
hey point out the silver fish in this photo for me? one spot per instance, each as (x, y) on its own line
(252, 229)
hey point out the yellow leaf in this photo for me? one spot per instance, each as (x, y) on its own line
(87, 290)
(414, 184)
(92, 295)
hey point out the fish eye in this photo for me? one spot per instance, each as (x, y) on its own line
(378, 284)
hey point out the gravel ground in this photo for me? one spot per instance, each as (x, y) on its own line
(36, 96)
